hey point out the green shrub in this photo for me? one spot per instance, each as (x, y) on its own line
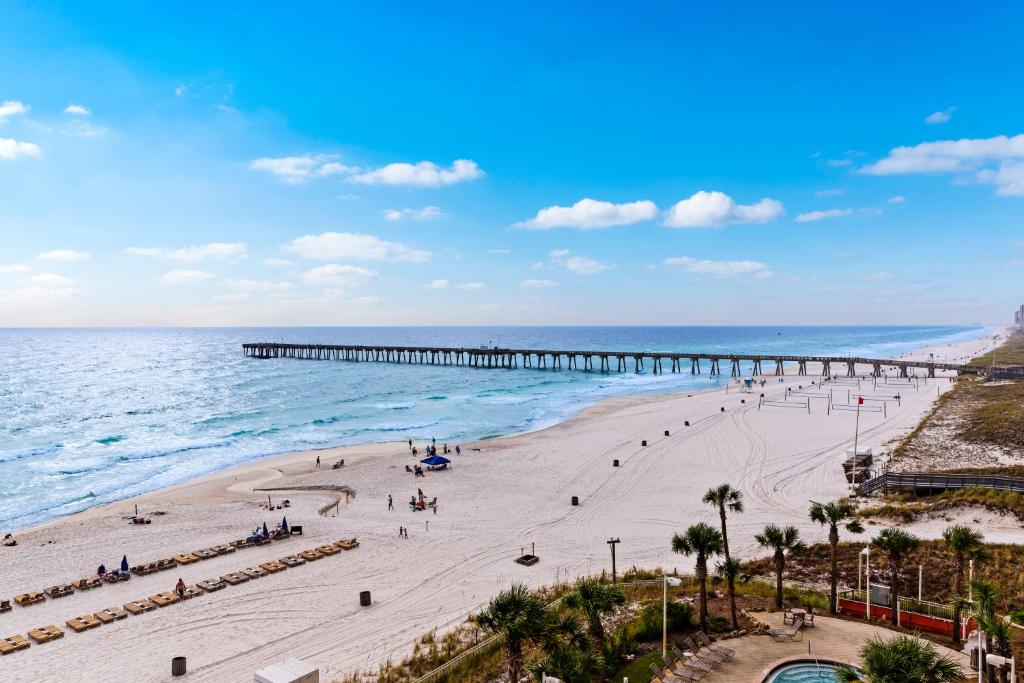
(648, 626)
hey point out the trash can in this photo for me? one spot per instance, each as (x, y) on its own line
(723, 409)
(686, 424)
(575, 500)
(666, 432)
(644, 442)
(364, 598)
(178, 666)
(615, 463)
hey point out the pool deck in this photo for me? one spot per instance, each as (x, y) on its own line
(835, 640)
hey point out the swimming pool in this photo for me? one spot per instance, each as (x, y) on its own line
(804, 672)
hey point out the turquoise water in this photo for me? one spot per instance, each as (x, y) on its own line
(805, 672)
(89, 416)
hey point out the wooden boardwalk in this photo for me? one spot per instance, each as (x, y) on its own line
(929, 482)
(602, 361)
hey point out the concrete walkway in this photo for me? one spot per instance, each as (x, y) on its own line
(830, 639)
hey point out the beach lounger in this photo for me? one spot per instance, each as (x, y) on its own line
(139, 606)
(715, 647)
(696, 651)
(255, 572)
(61, 591)
(792, 632)
(45, 634)
(292, 561)
(310, 555)
(143, 569)
(191, 592)
(5, 606)
(273, 567)
(205, 553)
(111, 614)
(168, 563)
(668, 676)
(26, 599)
(87, 584)
(242, 543)
(185, 558)
(164, 599)
(347, 544)
(328, 550)
(211, 585)
(223, 549)
(234, 578)
(13, 644)
(83, 623)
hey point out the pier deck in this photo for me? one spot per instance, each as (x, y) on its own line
(601, 361)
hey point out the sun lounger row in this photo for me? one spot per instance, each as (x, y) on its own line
(151, 567)
(692, 663)
(87, 622)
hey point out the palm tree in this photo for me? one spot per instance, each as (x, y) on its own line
(899, 659)
(966, 544)
(729, 570)
(703, 541)
(835, 515)
(522, 618)
(984, 599)
(897, 545)
(594, 599)
(567, 651)
(779, 540)
(725, 497)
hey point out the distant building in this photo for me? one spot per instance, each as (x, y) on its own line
(1018, 316)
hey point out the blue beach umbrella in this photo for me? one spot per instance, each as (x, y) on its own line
(435, 460)
(124, 563)
(284, 524)
(266, 531)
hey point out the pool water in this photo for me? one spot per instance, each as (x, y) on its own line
(805, 672)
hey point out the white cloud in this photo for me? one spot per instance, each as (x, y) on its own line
(997, 161)
(41, 289)
(422, 174)
(591, 214)
(720, 268)
(586, 266)
(558, 253)
(940, 116)
(876, 277)
(427, 213)
(839, 163)
(897, 199)
(716, 209)
(12, 149)
(812, 216)
(295, 170)
(180, 90)
(277, 262)
(328, 246)
(537, 284)
(471, 285)
(438, 284)
(258, 285)
(186, 277)
(77, 110)
(831, 192)
(50, 281)
(338, 274)
(500, 252)
(15, 268)
(64, 255)
(213, 250)
(538, 265)
(10, 108)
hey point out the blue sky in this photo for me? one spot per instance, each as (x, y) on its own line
(662, 163)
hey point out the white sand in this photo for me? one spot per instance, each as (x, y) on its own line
(512, 492)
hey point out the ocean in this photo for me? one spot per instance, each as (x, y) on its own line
(90, 416)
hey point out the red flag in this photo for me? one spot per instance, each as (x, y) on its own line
(860, 400)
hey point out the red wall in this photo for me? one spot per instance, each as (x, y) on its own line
(911, 620)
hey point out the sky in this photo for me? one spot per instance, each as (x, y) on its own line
(510, 163)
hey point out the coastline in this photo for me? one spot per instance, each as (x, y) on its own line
(513, 492)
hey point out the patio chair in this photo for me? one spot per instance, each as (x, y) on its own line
(792, 632)
(703, 653)
(704, 640)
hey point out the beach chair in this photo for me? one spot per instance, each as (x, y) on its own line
(697, 651)
(139, 606)
(164, 599)
(31, 598)
(87, 584)
(255, 572)
(61, 591)
(347, 544)
(185, 558)
(5, 606)
(234, 578)
(13, 644)
(310, 555)
(328, 550)
(111, 614)
(292, 561)
(711, 645)
(191, 592)
(223, 549)
(273, 567)
(83, 623)
(45, 634)
(205, 553)
(666, 675)
(242, 543)
(809, 618)
(167, 563)
(792, 632)
(144, 569)
(211, 585)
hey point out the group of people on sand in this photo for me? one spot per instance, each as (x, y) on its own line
(419, 502)
(432, 448)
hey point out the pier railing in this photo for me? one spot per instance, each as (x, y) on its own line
(623, 361)
(938, 481)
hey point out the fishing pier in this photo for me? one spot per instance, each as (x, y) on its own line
(601, 361)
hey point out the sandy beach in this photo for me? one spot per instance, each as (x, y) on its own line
(501, 495)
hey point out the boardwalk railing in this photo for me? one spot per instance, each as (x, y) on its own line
(938, 481)
(490, 357)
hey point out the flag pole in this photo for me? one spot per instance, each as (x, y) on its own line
(856, 433)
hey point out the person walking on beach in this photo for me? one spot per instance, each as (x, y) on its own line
(428, 525)
(401, 532)
(391, 504)
(458, 451)
(180, 588)
(410, 444)
(406, 532)
(318, 462)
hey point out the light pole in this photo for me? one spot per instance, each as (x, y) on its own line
(664, 611)
(867, 575)
(611, 542)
